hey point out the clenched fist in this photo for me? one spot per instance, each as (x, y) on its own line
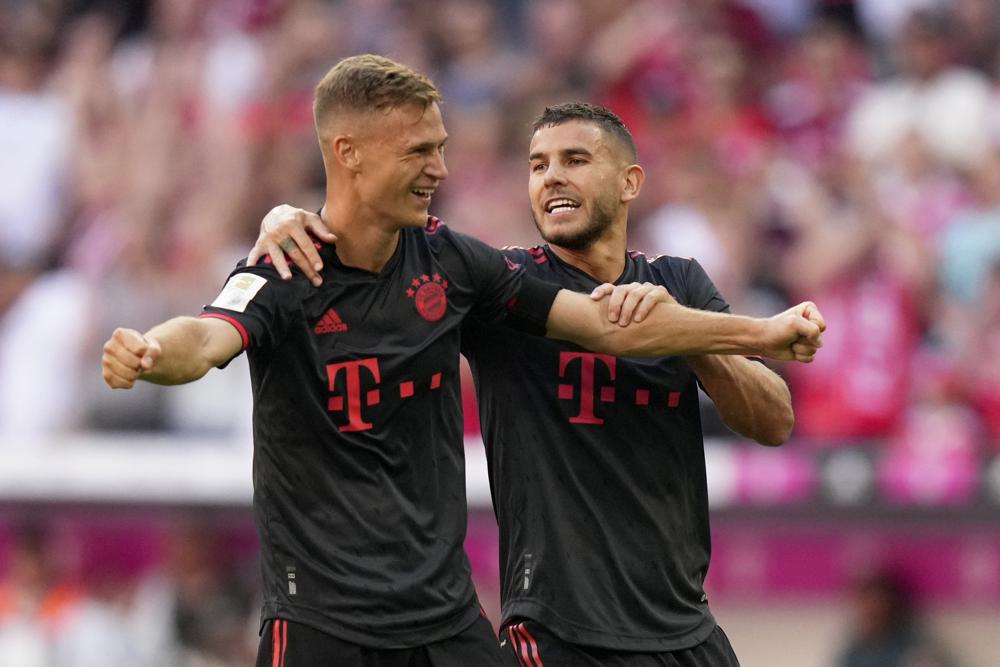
(127, 355)
(796, 334)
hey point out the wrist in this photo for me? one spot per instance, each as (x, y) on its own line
(753, 335)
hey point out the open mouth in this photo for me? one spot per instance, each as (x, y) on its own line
(561, 205)
(423, 193)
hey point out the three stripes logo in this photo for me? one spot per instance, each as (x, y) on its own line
(524, 645)
(330, 323)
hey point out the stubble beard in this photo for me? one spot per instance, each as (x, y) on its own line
(581, 239)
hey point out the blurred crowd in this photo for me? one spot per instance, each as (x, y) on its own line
(844, 152)
(177, 592)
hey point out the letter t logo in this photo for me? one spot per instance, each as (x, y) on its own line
(587, 382)
(352, 370)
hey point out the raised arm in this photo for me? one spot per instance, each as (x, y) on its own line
(752, 400)
(179, 350)
(671, 329)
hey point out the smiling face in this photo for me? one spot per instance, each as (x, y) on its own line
(401, 163)
(578, 175)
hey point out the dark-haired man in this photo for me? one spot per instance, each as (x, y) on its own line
(596, 461)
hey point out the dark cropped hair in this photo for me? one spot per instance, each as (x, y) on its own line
(590, 113)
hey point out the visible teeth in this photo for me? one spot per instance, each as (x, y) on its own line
(559, 205)
(422, 192)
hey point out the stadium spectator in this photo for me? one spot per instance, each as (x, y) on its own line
(38, 605)
(970, 241)
(839, 247)
(475, 61)
(885, 631)
(947, 106)
(37, 127)
(199, 606)
(822, 76)
(35, 130)
(978, 23)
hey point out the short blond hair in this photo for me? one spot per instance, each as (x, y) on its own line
(368, 83)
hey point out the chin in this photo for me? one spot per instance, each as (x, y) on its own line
(419, 220)
(561, 233)
(571, 237)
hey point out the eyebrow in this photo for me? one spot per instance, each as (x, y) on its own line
(572, 150)
(427, 144)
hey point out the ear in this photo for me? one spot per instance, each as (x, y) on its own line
(634, 178)
(345, 151)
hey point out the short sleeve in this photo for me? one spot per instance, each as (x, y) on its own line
(701, 291)
(258, 303)
(505, 293)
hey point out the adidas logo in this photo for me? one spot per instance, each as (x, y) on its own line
(330, 323)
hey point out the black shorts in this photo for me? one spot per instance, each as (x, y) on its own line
(532, 645)
(288, 644)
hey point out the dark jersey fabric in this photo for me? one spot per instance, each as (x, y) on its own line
(597, 472)
(359, 485)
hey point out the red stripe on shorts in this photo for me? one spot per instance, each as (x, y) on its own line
(284, 641)
(533, 644)
(275, 644)
(526, 651)
(515, 643)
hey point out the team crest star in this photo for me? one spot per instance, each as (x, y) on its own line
(445, 284)
(415, 282)
(425, 278)
(437, 277)
(410, 292)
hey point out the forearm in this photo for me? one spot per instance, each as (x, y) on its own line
(187, 352)
(751, 399)
(668, 330)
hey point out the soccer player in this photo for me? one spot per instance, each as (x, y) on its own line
(596, 462)
(358, 474)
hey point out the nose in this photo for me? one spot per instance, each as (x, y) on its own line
(436, 167)
(554, 175)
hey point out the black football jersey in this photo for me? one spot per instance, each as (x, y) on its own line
(358, 471)
(597, 473)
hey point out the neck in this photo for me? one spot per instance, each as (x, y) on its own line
(362, 243)
(604, 259)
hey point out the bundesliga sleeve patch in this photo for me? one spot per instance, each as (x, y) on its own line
(239, 292)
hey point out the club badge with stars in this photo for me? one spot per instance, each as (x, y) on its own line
(429, 295)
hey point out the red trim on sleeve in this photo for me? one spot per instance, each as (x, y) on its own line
(239, 327)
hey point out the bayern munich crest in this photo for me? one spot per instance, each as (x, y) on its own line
(429, 296)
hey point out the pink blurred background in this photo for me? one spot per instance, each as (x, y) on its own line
(842, 151)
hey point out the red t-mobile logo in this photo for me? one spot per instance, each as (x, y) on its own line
(587, 383)
(352, 371)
